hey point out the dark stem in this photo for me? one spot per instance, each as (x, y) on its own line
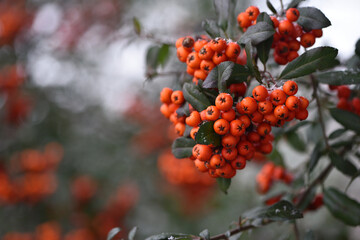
(296, 231)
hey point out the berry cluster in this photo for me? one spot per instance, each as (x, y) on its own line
(289, 35)
(202, 55)
(269, 174)
(35, 175)
(345, 101)
(244, 126)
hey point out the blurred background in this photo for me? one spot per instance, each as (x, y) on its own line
(83, 146)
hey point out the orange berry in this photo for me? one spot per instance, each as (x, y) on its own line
(212, 173)
(199, 44)
(281, 112)
(238, 163)
(301, 114)
(190, 70)
(291, 116)
(203, 115)
(292, 55)
(178, 42)
(182, 53)
(280, 59)
(212, 113)
(237, 127)
(307, 40)
(177, 97)
(256, 117)
(248, 105)
(165, 95)
(193, 60)
(229, 153)
(317, 33)
(228, 115)
(206, 53)
(260, 93)
(229, 141)
(207, 66)
(292, 14)
(193, 132)
(263, 129)
(232, 50)
(219, 57)
(282, 49)
(216, 161)
(246, 120)
(180, 128)
(200, 74)
(292, 103)
(271, 119)
(218, 44)
(294, 45)
(202, 152)
(253, 137)
(253, 12)
(194, 119)
(221, 126)
(277, 97)
(275, 21)
(343, 92)
(244, 20)
(304, 103)
(265, 107)
(200, 165)
(245, 147)
(286, 28)
(266, 148)
(239, 89)
(290, 87)
(164, 109)
(226, 171)
(224, 102)
(188, 43)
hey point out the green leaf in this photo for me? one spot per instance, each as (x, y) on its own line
(257, 33)
(137, 25)
(297, 126)
(219, 75)
(312, 18)
(222, 12)
(250, 63)
(342, 207)
(132, 233)
(276, 157)
(167, 236)
(239, 74)
(337, 133)
(182, 147)
(357, 48)
(294, 3)
(296, 142)
(308, 199)
(264, 17)
(316, 155)
(152, 58)
(113, 233)
(348, 119)
(280, 211)
(163, 54)
(205, 234)
(263, 48)
(271, 7)
(206, 135)
(195, 97)
(183, 110)
(308, 62)
(343, 165)
(224, 184)
(339, 77)
(211, 28)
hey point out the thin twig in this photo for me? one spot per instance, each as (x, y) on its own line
(296, 231)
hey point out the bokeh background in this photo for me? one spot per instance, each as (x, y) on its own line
(83, 146)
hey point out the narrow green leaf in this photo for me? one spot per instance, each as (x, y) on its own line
(195, 97)
(257, 33)
(339, 77)
(337, 133)
(263, 48)
(296, 142)
(294, 4)
(211, 28)
(276, 157)
(264, 17)
(308, 199)
(167, 236)
(163, 54)
(357, 48)
(342, 207)
(348, 119)
(224, 184)
(183, 110)
(222, 12)
(308, 62)
(312, 18)
(137, 25)
(316, 155)
(113, 233)
(271, 7)
(205, 234)
(250, 63)
(152, 58)
(343, 165)
(239, 74)
(280, 211)
(132, 233)
(206, 135)
(182, 147)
